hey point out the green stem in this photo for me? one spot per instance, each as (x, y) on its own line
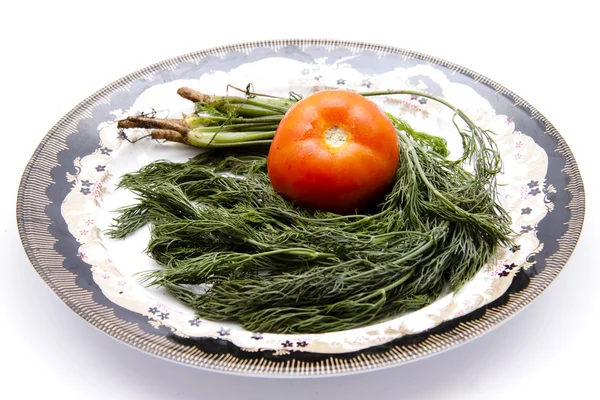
(279, 106)
(214, 145)
(420, 250)
(385, 236)
(458, 111)
(228, 139)
(195, 121)
(297, 251)
(410, 92)
(429, 185)
(415, 253)
(246, 127)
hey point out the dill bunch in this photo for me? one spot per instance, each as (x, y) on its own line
(232, 249)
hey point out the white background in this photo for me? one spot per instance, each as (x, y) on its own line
(57, 53)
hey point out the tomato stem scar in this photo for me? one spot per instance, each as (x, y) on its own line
(335, 136)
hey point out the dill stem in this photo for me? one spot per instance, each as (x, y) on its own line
(196, 121)
(420, 250)
(297, 251)
(388, 235)
(242, 127)
(415, 253)
(456, 110)
(228, 139)
(414, 93)
(265, 104)
(428, 183)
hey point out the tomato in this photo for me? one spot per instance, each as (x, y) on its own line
(334, 150)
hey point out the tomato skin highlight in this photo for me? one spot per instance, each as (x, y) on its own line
(335, 151)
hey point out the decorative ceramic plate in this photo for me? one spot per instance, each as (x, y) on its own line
(67, 198)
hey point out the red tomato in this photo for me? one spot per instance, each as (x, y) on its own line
(334, 150)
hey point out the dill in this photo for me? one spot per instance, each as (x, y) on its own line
(232, 249)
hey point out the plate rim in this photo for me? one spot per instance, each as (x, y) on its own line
(158, 345)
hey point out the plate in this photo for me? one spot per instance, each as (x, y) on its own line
(67, 197)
